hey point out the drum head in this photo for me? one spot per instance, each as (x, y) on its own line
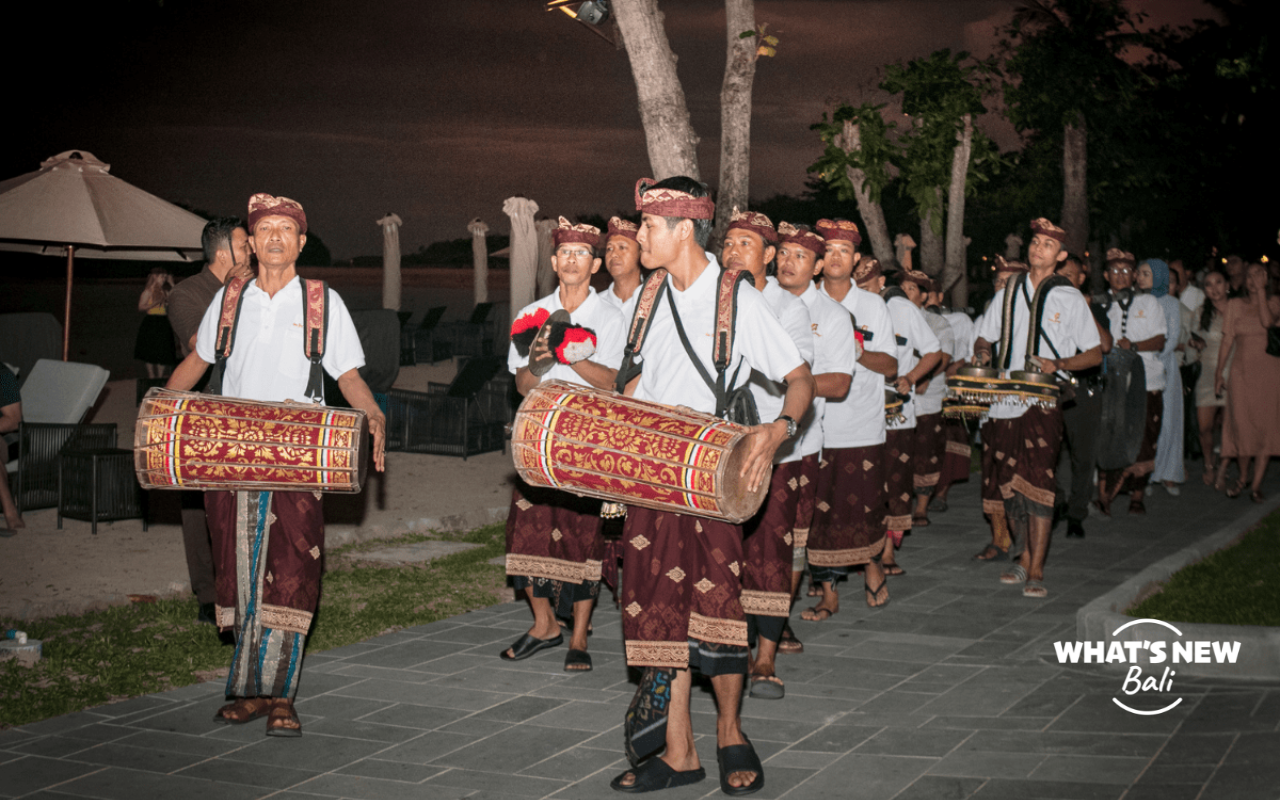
(364, 454)
(740, 504)
(540, 368)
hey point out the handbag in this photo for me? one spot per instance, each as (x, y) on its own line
(1273, 341)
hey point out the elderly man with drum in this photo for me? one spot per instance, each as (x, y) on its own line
(268, 546)
(553, 537)
(1041, 324)
(682, 605)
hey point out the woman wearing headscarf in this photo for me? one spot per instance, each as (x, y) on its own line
(1252, 427)
(1153, 276)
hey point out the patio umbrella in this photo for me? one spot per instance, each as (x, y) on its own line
(71, 206)
(391, 260)
(479, 259)
(524, 251)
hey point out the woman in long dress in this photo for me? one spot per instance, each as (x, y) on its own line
(1252, 427)
(1206, 339)
(1153, 277)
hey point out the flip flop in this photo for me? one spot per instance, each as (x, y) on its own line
(283, 721)
(577, 661)
(1034, 588)
(991, 553)
(937, 505)
(874, 594)
(816, 611)
(253, 707)
(739, 758)
(767, 687)
(919, 522)
(656, 774)
(789, 643)
(527, 645)
(1016, 574)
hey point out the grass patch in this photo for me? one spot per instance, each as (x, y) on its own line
(126, 651)
(1239, 585)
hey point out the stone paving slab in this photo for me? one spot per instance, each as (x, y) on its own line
(951, 691)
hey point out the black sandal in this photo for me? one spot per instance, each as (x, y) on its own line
(991, 553)
(654, 775)
(527, 645)
(577, 661)
(739, 758)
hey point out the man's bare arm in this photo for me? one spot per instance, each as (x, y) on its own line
(885, 364)
(10, 417)
(357, 393)
(832, 385)
(188, 373)
(769, 435)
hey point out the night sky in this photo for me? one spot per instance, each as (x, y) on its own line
(435, 110)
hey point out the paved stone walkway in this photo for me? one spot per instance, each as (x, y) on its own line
(952, 691)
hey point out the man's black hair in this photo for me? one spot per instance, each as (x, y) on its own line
(681, 183)
(217, 236)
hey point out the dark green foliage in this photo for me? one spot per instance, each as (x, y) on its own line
(1239, 585)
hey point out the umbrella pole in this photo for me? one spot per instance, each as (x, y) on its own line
(66, 315)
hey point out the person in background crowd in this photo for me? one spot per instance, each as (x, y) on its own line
(1234, 269)
(957, 456)
(1154, 277)
(930, 441)
(1137, 324)
(1189, 294)
(622, 260)
(226, 257)
(1251, 431)
(10, 421)
(154, 346)
(1206, 343)
(1081, 420)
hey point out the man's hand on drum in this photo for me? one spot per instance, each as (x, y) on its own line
(765, 440)
(358, 394)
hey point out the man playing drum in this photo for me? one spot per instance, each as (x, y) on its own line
(1025, 440)
(553, 537)
(269, 601)
(682, 605)
(930, 441)
(750, 243)
(848, 520)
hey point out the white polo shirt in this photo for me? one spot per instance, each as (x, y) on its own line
(858, 419)
(909, 324)
(595, 314)
(769, 395)
(267, 361)
(760, 341)
(834, 351)
(1067, 323)
(626, 308)
(965, 334)
(1144, 320)
(930, 402)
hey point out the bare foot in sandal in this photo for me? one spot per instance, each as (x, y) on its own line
(829, 605)
(283, 720)
(245, 709)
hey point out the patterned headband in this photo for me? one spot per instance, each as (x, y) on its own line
(1044, 227)
(620, 227)
(264, 205)
(567, 233)
(832, 229)
(671, 202)
(755, 222)
(805, 238)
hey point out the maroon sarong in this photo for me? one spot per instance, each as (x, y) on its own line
(295, 546)
(766, 581)
(553, 535)
(899, 445)
(926, 460)
(848, 520)
(957, 456)
(996, 445)
(805, 504)
(1025, 457)
(681, 587)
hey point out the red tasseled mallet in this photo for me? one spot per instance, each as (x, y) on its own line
(525, 329)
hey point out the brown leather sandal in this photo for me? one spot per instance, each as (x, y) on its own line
(246, 709)
(283, 720)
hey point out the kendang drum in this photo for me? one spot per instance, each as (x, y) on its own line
(602, 444)
(186, 440)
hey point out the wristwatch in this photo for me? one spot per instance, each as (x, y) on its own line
(793, 427)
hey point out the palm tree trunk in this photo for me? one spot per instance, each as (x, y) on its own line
(672, 144)
(735, 113)
(955, 271)
(872, 215)
(1075, 198)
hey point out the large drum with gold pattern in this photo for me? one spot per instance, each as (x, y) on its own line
(186, 440)
(602, 444)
